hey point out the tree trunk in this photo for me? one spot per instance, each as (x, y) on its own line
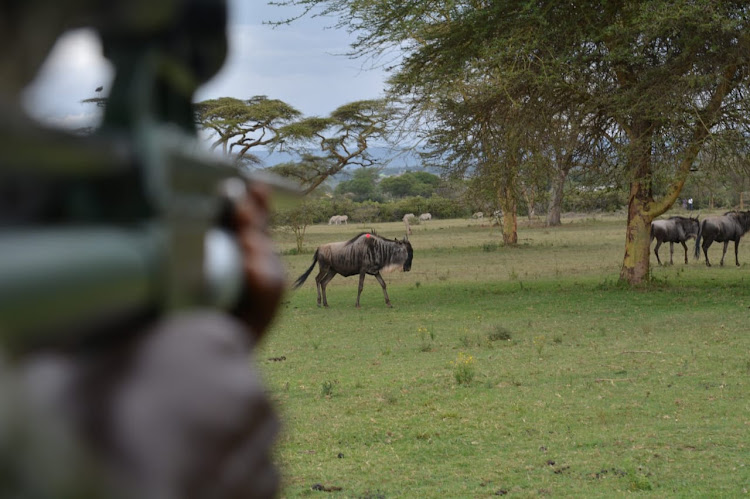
(509, 205)
(510, 227)
(635, 264)
(531, 203)
(555, 198)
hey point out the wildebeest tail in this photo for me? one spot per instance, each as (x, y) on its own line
(698, 241)
(301, 279)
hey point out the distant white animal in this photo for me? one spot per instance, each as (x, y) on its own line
(408, 216)
(424, 217)
(478, 215)
(338, 219)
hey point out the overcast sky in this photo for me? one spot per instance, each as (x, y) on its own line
(300, 64)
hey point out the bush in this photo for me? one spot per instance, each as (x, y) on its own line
(320, 210)
(589, 200)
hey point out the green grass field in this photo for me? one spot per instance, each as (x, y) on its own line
(524, 371)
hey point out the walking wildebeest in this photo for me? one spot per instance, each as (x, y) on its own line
(363, 254)
(728, 227)
(673, 230)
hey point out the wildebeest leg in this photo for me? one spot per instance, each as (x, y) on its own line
(706, 244)
(726, 243)
(385, 293)
(736, 260)
(324, 282)
(671, 252)
(319, 279)
(361, 285)
(685, 246)
(656, 251)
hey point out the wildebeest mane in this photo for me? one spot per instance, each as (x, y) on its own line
(350, 241)
(684, 221)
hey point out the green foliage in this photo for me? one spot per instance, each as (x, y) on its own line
(319, 210)
(241, 125)
(363, 185)
(426, 339)
(586, 200)
(339, 140)
(326, 388)
(500, 333)
(411, 184)
(366, 212)
(295, 220)
(463, 369)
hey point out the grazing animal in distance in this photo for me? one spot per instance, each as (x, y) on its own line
(338, 219)
(365, 253)
(730, 226)
(406, 219)
(478, 215)
(424, 217)
(675, 229)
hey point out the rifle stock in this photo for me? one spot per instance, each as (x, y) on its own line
(92, 257)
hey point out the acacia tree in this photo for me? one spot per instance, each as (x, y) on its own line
(342, 139)
(666, 75)
(241, 125)
(444, 78)
(661, 76)
(478, 137)
(569, 142)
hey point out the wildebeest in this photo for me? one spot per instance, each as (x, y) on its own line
(363, 254)
(424, 217)
(728, 227)
(675, 229)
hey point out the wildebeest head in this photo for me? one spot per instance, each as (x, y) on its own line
(409, 253)
(743, 218)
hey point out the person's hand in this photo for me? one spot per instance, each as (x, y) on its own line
(264, 273)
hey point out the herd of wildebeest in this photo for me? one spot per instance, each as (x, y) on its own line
(730, 226)
(369, 253)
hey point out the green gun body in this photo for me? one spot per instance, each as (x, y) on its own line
(111, 237)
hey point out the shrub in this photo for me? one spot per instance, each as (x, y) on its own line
(500, 333)
(463, 369)
(582, 199)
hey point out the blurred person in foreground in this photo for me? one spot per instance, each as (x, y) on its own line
(168, 405)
